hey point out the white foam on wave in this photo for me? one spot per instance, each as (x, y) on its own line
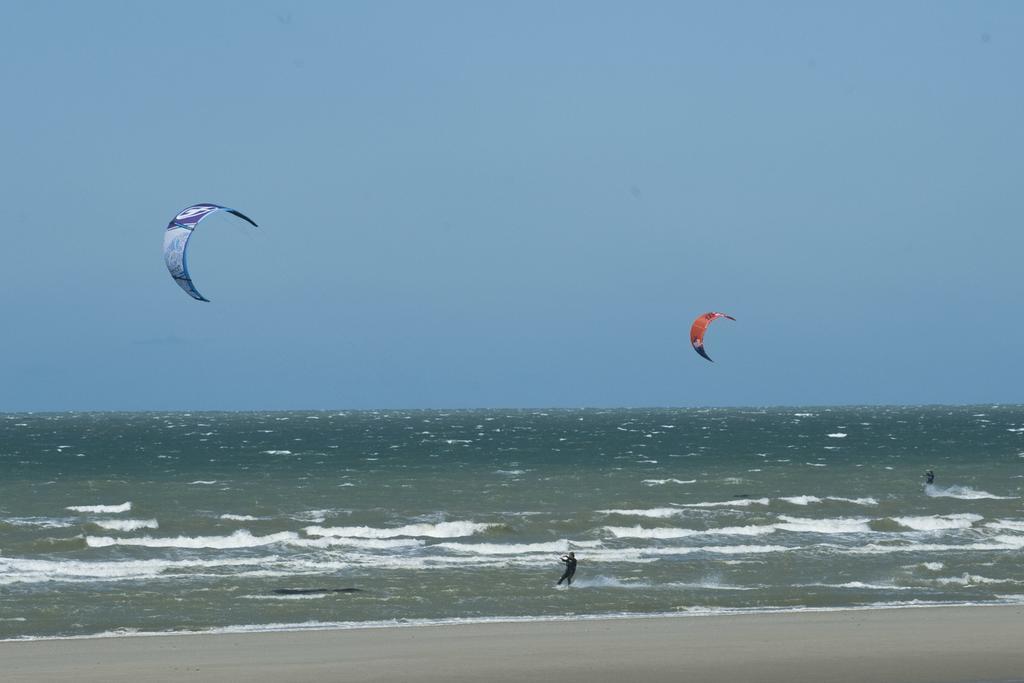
(18, 570)
(727, 549)
(1007, 524)
(997, 543)
(711, 583)
(864, 586)
(933, 566)
(641, 532)
(939, 522)
(739, 502)
(277, 452)
(801, 500)
(362, 543)
(239, 518)
(601, 581)
(839, 525)
(749, 530)
(203, 482)
(439, 530)
(41, 522)
(656, 513)
(239, 539)
(298, 596)
(126, 524)
(855, 501)
(961, 492)
(969, 580)
(113, 509)
(1010, 541)
(837, 435)
(662, 482)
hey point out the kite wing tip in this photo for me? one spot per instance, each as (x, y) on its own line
(243, 217)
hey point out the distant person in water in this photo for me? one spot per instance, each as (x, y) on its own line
(929, 477)
(570, 568)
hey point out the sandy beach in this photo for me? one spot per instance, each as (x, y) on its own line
(933, 645)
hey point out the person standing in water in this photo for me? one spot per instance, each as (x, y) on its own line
(929, 477)
(570, 568)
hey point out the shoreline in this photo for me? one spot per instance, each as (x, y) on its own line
(898, 645)
(308, 627)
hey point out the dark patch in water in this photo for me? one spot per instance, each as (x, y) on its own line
(885, 524)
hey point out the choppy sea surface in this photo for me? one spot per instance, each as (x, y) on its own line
(123, 523)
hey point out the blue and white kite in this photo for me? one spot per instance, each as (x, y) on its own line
(176, 240)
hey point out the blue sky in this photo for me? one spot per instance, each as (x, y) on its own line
(482, 204)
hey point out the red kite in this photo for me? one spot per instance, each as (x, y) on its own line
(700, 325)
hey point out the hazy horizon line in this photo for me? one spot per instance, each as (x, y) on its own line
(780, 406)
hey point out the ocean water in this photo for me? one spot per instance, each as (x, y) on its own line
(178, 522)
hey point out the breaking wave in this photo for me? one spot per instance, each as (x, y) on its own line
(123, 507)
(440, 530)
(961, 492)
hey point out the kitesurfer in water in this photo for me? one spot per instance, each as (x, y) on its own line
(570, 568)
(929, 477)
